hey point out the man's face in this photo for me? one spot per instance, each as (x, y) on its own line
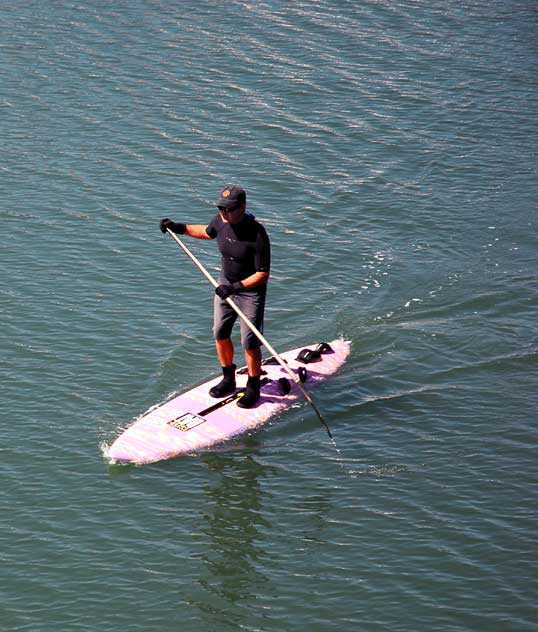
(232, 216)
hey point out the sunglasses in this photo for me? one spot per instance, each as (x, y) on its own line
(223, 209)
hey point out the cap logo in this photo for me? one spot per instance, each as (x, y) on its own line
(225, 193)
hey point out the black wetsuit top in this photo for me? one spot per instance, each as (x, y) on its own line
(244, 247)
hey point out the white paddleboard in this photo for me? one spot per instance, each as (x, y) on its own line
(195, 421)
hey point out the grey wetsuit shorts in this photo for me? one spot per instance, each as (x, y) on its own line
(252, 304)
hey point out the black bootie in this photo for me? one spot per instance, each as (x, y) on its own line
(252, 393)
(227, 385)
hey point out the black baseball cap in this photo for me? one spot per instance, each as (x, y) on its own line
(231, 196)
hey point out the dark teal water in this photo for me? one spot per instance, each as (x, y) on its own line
(390, 148)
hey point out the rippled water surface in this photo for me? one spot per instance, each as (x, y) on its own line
(390, 148)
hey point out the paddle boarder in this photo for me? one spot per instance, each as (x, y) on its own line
(245, 266)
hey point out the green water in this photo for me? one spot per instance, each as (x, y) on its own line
(390, 150)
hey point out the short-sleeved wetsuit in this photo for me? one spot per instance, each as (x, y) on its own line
(245, 250)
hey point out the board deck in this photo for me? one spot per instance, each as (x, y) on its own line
(194, 420)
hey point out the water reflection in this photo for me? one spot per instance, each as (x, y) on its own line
(236, 530)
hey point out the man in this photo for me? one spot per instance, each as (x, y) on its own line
(246, 259)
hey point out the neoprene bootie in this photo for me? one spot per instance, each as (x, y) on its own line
(227, 385)
(252, 393)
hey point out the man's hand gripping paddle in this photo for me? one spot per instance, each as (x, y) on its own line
(254, 330)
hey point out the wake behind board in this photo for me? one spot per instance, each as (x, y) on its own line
(194, 420)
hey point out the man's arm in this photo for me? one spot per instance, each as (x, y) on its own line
(192, 230)
(225, 290)
(258, 278)
(199, 231)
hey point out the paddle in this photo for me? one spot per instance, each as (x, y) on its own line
(254, 330)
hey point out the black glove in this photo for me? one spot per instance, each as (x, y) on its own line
(175, 227)
(223, 291)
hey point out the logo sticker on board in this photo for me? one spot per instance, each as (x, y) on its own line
(187, 421)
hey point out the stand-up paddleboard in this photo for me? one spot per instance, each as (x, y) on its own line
(195, 420)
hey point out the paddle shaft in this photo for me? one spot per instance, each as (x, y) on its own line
(253, 328)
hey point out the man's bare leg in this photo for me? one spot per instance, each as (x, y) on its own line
(254, 361)
(225, 352)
